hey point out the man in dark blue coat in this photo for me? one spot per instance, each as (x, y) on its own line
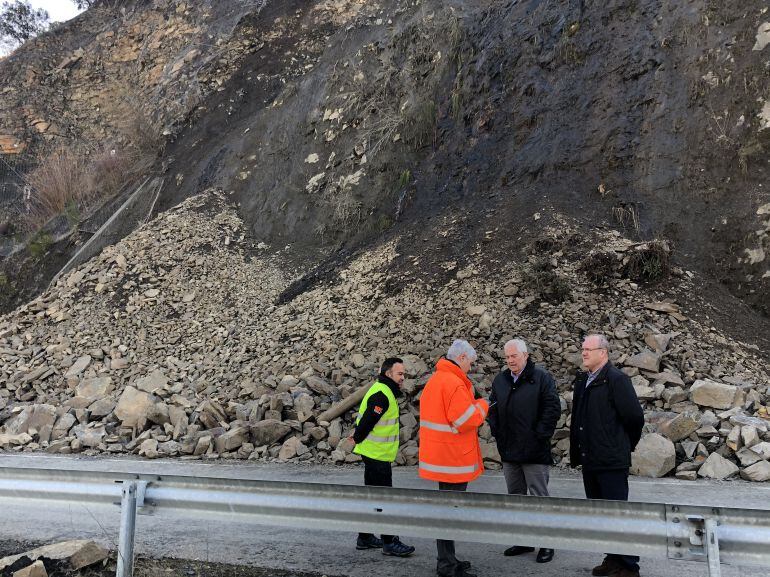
(606, 425)
(524, 409)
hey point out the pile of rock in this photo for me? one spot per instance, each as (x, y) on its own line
(171, 343)
(65, 556)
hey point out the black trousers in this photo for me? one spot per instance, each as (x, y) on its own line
(447, 563)
(612, 486)
(377, 474)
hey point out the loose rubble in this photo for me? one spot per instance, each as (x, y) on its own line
(65, 556)
(171, 344)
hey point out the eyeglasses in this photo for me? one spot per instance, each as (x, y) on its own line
(585, 350)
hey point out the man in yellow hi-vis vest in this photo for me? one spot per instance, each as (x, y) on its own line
(376, 438)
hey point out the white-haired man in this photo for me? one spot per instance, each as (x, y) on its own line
(449, 443)
(606, 425)
(524, 410)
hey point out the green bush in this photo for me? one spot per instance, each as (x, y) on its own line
(39, 245)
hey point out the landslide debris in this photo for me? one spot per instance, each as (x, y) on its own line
(173, 342)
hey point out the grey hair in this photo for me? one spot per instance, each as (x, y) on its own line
(460, 347)
(603, 342)
(520, 345)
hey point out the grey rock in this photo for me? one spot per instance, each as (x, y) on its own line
(717, 467)
(645, 360)
(758, 472)
(654, 456)
(268, 432)
(708, 393)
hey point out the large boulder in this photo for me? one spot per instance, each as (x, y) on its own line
(759, 471)
(232, 439)
(66, 556)
(654, 456)
(153, 382)
(321, 387)
(717, 467)
(291, 448)
(708, 393)
(268, 432)
(38, 419)
(303, 405)
(646, 360)
(490, 453)
(95, 388)
(136, 407)
(680, 427)
(89, 436)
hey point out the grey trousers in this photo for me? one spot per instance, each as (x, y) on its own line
(446, 561)
(521, 478)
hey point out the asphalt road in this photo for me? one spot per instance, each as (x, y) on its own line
(333, 553)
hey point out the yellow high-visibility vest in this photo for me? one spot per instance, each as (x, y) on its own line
(382, 442)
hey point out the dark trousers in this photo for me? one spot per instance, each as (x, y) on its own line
(447, 562)
(377, 474)
(611, 486)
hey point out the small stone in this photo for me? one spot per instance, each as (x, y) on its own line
(78, 367)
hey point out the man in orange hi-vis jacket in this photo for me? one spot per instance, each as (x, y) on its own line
(449, 444)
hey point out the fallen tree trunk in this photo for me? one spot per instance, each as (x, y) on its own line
(344, 405)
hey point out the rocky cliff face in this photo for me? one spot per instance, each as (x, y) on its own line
(81, 82)
(334, 120)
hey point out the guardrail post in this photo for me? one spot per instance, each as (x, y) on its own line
(712, 547)
(127, 530)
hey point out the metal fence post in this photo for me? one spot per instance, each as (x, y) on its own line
(127, 530)
(712, 547)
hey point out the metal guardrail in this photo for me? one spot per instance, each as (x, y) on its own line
(692, 533)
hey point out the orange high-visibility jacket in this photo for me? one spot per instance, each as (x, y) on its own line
(449, 419)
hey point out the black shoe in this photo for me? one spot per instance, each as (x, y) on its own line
(397, 549)
(517, 550)
(370, 542)
(544, 555)
(460, 570)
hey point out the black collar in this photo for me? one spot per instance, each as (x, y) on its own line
(392, 385)
(526, 373)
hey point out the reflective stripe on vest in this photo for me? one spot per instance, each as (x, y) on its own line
(382, 441)
(448, 469)
(438, 427)
(465, 416)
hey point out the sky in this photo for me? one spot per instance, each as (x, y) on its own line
(58, 10)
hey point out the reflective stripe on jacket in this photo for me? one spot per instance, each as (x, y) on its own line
(449, 421)
(382, 442)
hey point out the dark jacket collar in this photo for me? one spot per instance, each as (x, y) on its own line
(392, 385)
(601, 377)
(526, 373)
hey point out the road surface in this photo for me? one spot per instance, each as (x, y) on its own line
(182, 535)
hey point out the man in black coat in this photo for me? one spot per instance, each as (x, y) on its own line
(524, 408)
(606, 425)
